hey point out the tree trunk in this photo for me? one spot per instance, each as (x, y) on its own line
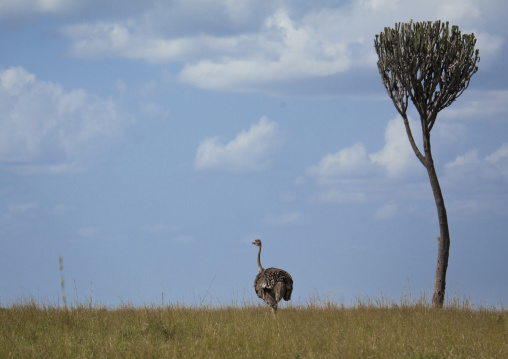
(444, 238)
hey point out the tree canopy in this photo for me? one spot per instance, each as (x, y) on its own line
(426, 62)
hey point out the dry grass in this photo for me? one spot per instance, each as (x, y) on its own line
(318, 329)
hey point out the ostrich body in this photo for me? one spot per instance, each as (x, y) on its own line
(272, 284)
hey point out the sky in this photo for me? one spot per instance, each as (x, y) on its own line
(148, 143)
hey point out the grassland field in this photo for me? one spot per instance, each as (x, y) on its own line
(317, 329)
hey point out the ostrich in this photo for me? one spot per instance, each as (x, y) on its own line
(272, 284)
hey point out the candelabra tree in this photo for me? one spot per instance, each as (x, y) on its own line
(431, 65)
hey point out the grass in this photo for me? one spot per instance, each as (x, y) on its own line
(317, 329)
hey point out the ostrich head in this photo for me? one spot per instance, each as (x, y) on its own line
(257, 242)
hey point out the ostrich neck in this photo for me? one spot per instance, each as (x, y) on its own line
(260, 268)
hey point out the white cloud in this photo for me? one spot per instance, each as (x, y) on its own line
(500, 159)
(490, 106)
(44, 128)
(347, 163)
(286, 50)
(264, 46)
(395, 176)
(467, 159)
(480, 183)
(397, 156)
(280, 51)
(471, 169)
(125, 39)
(351, 175)
(274, 49)
(249, 151)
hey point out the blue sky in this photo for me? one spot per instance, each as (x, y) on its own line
(149, 142)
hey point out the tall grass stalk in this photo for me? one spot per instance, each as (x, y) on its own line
(62, 281)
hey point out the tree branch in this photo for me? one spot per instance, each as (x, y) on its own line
(412, 140)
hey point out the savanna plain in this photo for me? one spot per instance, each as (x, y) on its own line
(318, 328)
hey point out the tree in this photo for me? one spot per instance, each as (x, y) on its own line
(432, 66)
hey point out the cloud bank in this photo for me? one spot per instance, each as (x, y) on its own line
(46, 129)
(248, 46)
(396, 160)
(393, 176)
